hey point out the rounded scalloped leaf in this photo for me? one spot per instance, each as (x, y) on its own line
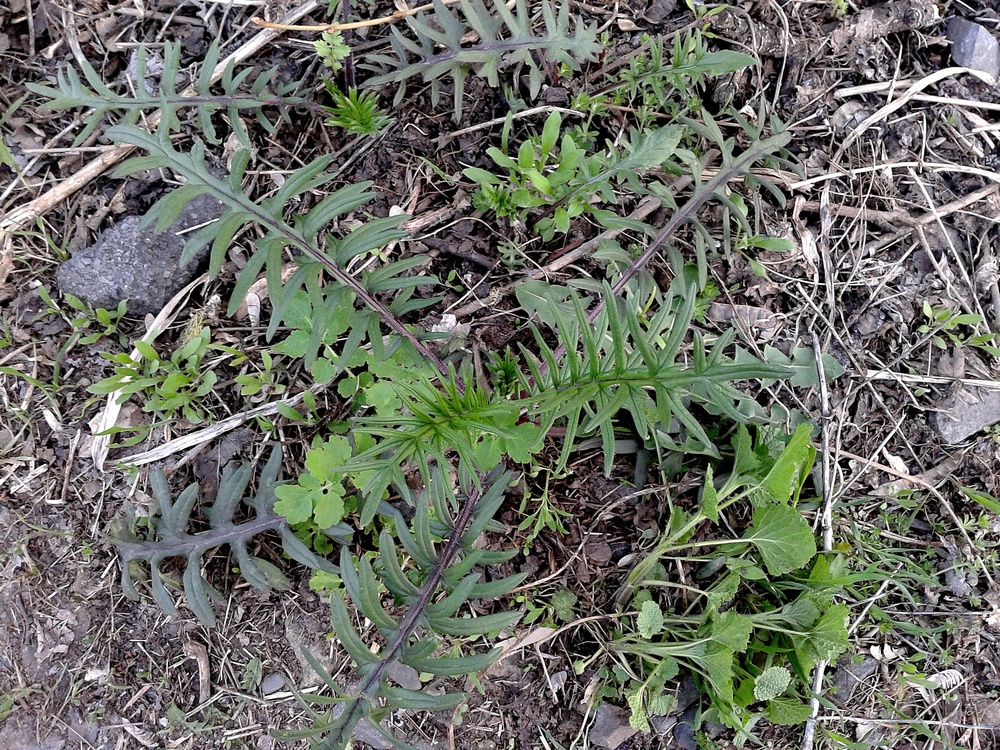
(771, 683)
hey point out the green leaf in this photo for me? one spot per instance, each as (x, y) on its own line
(323, 461)
(550, 132)
(773, 244)
(801, 613)
(481, 176)
(563, 603)
(731, 629)
(710, 498)
(716, 664)
(637, 710)
(295, 503)
(828, 638)
(982, 498)
(328, 507)
(771, 683)
(724, 590)
(650, 620)
(782, 537)
(788, 712)
(786, 477)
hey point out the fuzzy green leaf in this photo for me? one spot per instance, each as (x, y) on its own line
(771, 683)
(731, 629)
(650, 620)
(788, 712)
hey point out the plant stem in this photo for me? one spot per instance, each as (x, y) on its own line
(369, 686)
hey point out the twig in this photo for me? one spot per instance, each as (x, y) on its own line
(399, 15)
(905, 97)
(206, 434)
(826, 522)
(890, 165)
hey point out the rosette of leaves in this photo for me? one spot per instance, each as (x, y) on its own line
(170, 538)
(505, 38)
(430, 576)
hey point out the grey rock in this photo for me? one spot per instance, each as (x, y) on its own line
(850, 674)
(367, 733)
(272, 683)
(135, 262)
(658, 10)
(684, 732)
(662, 724)
(973, 46)
(611, 727)
(965, 413)
(406, 677)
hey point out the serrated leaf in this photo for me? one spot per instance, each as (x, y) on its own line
(650, 620)
(660, 704)
(716, 664)
(788, 712)
(782, 537)
(801, 613)
(731, 629)
(828, 638)
(771, 683)
(724, 590)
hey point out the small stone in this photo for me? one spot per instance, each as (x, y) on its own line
(272, 683)
(662, 724)
(973, 46)
(135, 262)
(366, 732)
(967, 412)
(611, 727)
(405, 676)
(657, 11)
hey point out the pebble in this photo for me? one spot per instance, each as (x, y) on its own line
(611, 727)
(135, 262)
(973, 46)
(272, 683)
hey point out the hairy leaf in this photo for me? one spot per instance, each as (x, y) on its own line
(771, 683)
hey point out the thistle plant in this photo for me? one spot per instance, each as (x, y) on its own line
(439, 442)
